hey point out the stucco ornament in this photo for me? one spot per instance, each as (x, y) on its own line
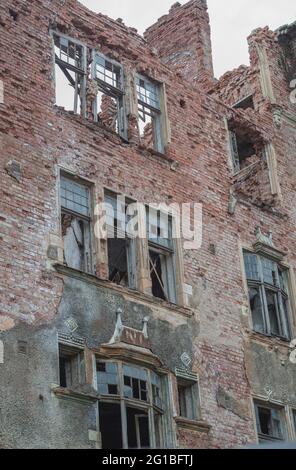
(186, 360)
(293, 353)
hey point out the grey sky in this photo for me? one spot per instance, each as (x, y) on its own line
(231, 21)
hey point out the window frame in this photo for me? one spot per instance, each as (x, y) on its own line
(131, 242)
(156, 113)
(283, 315)
(167, 254)
(191, 389)
(149, 407)
(76, 356)
(88, 220)
(118, 93)
(282, 420)
(82, 72)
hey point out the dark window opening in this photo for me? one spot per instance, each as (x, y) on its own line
(121, 243)
(269, 423)
(118, 261)
(247, 146)
(246, 103)
(188, 399)
(71, 366)
(158, 289)
(137, 429)
(110, 425)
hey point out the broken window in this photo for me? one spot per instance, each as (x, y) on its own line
(270, 423)
(109, 104)
(149, 109)
(245, 103)
(247, 146)
(76, 224)
(161, 255)
(188, 399)
(268, 295)
(71, 366)
(121, 244)
(70, 73)
(130, 406)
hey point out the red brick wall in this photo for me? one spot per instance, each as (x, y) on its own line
(39, 136)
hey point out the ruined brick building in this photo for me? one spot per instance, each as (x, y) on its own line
(133, 342)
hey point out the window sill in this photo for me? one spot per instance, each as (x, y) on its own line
(91, 124)
(134, 294)
(269, 340)
(74, 395)
(235, 175)
(192, 425)
(155, 153)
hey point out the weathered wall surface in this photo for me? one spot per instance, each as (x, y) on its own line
(36, 300)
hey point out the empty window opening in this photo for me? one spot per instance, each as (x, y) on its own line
(138, 429)
(71, 366)
(161, 255)
(121, 244)
(109, 103)
(76, 224)
(130, 406)
(149, 110)
(188, 399)
(245, 103)
(270, 423)
(14, 14)
(246, 147)
(110, 425)
(268, 295)
(70, 74)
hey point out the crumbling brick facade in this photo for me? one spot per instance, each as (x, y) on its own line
(228, 145)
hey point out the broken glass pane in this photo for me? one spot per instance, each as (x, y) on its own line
(107, 377)
(148, 93)
(273, 309)
(108, 72)
(75, 196)
(251, 266)
(256, 309)
(269, 271)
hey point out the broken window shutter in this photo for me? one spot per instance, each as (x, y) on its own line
(234, 151)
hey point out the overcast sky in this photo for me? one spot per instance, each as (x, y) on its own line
(231, 21)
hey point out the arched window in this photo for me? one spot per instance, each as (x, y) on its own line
(130, 406)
